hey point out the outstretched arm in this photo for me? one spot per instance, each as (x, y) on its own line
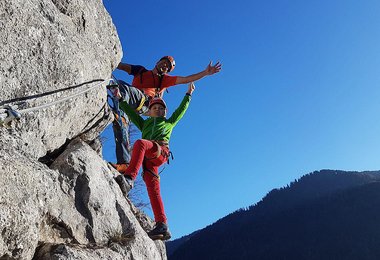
(133, 116)
(180, 111)
(210, 70)
(124, 66)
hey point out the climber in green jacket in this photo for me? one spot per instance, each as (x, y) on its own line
(151, 152)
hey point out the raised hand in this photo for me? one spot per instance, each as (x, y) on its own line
(213, 69)
(191, 88)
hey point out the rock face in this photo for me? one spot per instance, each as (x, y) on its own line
(50, 45)
(72, 210)
(69, 207)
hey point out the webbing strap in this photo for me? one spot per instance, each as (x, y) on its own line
(142, 102)
(151, 172)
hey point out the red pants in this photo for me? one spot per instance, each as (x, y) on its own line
(142, 154)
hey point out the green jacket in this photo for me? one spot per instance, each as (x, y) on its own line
(156, 128)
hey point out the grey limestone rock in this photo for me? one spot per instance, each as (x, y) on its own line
(58, 198)
(50, 45)
(73, 210)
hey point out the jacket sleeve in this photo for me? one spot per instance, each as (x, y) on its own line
(131, 113)
(180, 111)
(137, 69)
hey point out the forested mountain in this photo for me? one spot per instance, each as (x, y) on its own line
(323, 215)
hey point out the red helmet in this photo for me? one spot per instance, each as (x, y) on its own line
(157, 101)
(171, 61)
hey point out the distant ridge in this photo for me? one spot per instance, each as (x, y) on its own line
(326, 214)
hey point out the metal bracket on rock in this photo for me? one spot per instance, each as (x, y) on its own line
(7, 114)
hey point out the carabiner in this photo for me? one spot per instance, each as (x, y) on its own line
(8, 114)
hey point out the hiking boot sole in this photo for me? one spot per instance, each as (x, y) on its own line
(163, 237)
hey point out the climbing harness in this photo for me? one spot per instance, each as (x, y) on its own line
(8, 113)
(159, 152)
(142, 103)
(157, 89)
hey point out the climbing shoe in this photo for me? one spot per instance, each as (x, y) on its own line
(160, 231)
(125, 182)
(121, 167)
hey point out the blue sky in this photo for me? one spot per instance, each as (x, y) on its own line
(299, 91)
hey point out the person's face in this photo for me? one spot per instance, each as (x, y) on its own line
(163, 66)
(157, 110)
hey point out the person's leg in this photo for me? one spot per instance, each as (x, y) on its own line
(121, 142)
(133, 96)
(120, 128)
(152, 182)
(141, 149)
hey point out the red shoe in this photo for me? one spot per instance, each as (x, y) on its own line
(122, 167)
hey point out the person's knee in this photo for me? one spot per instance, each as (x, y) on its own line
(139, 143)
(143, 143)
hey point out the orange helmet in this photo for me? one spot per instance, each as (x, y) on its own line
(171, 61)
(157, 101)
